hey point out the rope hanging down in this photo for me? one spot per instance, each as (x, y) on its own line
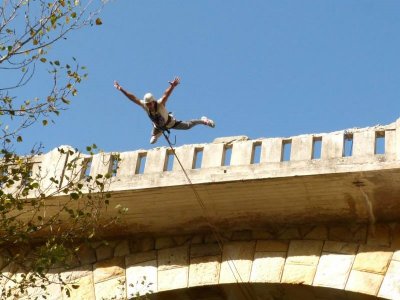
(247, 292)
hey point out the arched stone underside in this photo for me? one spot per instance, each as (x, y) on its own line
(324, 262)
(259, 291)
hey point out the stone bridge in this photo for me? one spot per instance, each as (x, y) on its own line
(306, 217)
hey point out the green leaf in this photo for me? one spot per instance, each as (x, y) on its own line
(43, 60)
(57, 63)
(98, 21)
(74, 196)
(45, 122)
(19, 139)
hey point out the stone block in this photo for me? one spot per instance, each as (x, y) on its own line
(86, 255)
(164, 242)
(396, 255)
(390, 288)
(181, 240)
(104, 252)
(267, 266)
(298, 274)
(204, 270)
(243, 235)
(141, 278)
(333, 270)
(122, 249)
(237, 259)
(304, 252)
(173, 258)
(113, 288)
(145, 244)
(261, 235)
(356, 234)
(317, 233)
(372, 259)
(83, 278)
(290, 234)
(201, 250)
(364, 282)
(272, 246)
(340, 248)
(136, 258)
(170, 279)
(379, 235)
(108, 269)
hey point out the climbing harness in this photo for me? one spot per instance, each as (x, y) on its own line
(245, 290)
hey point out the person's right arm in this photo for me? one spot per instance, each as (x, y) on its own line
(130, 96)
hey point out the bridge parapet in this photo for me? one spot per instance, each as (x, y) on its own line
(238, 158)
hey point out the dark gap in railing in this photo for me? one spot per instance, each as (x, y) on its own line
(348, 145)
(227, 155)
(380, 142)
(141, 163)
(114, 165)
(256, 153)
(198, 158)
(316, 147)
(286, 150)
(87, 164)
(169, 161)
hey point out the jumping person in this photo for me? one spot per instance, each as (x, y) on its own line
(161, 118)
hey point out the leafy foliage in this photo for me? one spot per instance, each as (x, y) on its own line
(44, 215)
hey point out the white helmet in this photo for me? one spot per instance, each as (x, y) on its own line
(148, 98)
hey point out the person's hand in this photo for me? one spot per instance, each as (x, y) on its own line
(175, 82)
(117, 86)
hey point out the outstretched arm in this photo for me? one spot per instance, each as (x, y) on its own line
(168, 91)
(130, 96)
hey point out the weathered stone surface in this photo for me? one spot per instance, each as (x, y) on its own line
(136, 258)
(333, 270)
(169, 279)
(142, 245)
(379, 235)
(317, 233)
(340, 248)
(164, 242)
(364, 282)
(173, 258)
(204, 270)
(261, 235)
(243, 235)
(396, 255)
(86, 255)
(122, 248)
(108, 269)
(236, 263)
(272, 246)
(181, 240)
(197, 239)
(290, 234)
(391, 283)
(141, 278)
(84, 280)
(267, 266)
(104, 252)
(205, 250)
(298, 274)
(304, 252)
(372, 259)
(356, 233)
(113, 288)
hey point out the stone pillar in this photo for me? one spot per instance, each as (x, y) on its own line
(155, 161)
(364, 143)
(302, 147)
(271, 150)
(242, 153)
(332, 145)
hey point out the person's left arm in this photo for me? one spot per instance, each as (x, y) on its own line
(168, 91)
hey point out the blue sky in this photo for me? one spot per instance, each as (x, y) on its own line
(258, 68)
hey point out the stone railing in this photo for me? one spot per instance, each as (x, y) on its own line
(236, 158)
